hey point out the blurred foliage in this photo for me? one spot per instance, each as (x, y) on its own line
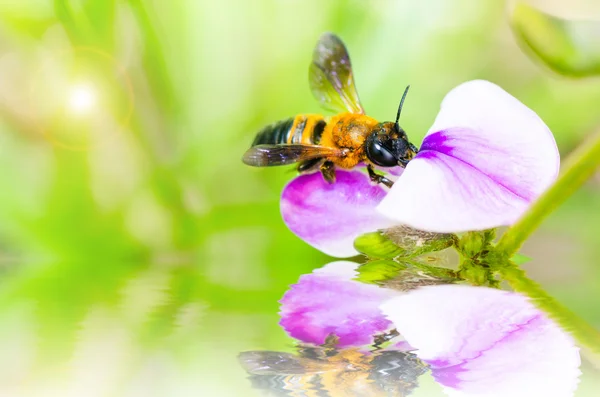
(569, 47)
(139, 254)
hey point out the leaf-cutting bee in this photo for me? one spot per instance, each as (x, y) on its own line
(347, 139)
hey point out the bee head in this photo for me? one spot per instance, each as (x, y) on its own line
(388, 145)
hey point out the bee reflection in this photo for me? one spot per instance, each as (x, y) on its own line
(324, 371)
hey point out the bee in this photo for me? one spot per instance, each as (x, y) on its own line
(347, 139)
(319, 371)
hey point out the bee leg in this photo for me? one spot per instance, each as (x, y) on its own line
(328, 171)
(380, 339)
(309, 165)
(331, 341)
(375, 177)
(330, 345)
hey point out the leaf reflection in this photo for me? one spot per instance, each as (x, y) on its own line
(405, 275)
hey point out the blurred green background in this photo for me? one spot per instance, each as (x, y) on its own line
(139, 255)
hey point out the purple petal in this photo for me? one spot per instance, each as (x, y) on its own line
(328, 301)
(483, 341)
(395, 171)
(330, 216)
(485, 159)
(390, 172)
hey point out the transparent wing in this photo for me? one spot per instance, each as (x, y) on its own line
(270, 155)
(330, 76)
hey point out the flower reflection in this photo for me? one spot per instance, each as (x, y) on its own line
(476, 341)
(486, 342)
(330, 302)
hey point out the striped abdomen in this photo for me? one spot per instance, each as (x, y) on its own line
(304, 129)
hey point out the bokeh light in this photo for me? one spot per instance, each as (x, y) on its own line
(81, 98)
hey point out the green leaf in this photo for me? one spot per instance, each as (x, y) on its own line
(375, 272)
(402, 241)
(569, 47)
(377, 245)
(418, 242)
(520, 259)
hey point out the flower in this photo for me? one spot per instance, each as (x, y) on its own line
(476, 341)
(486, 342)
(486, 158)
(328, 302)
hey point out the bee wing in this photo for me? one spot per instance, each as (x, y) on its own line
(278, 363)
(330, 76)
(269, 155)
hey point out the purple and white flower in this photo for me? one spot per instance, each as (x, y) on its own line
(329, 301)
(477, 341)
(486, 342)
(486, 158)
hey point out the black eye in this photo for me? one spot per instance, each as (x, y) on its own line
(379, 154)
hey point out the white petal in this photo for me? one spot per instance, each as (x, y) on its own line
(484, 160)
(486, 342)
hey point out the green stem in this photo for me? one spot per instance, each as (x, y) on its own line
(578, 168)
(583, 332)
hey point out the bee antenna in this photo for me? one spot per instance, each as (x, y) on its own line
(400, 107)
